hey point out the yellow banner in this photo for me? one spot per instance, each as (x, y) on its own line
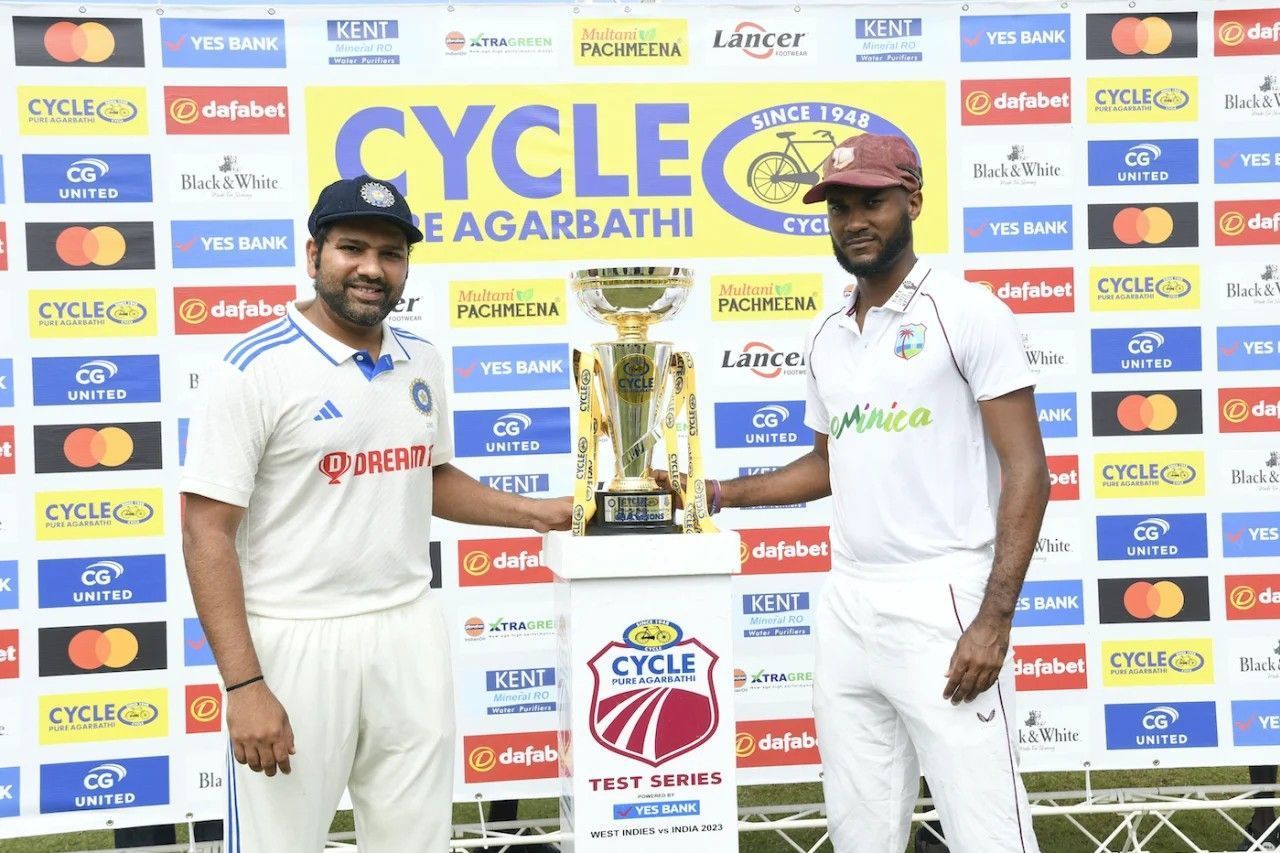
(1157, 662)
(92, 313)
(99, 514)
(558, 172)
(82, 111)
(1149, 475)
(1126, 100)
(1170, 287)
(114, 715)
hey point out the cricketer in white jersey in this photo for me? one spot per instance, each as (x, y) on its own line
(311, 478)
(925, 435)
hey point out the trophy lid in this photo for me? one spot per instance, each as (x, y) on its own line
(631, 296)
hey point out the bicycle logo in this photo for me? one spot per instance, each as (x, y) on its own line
(776, 176)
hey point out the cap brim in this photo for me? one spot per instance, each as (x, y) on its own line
(413, 234)
(852, 178)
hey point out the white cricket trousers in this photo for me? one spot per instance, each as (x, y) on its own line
(885, 636)
(370, 699)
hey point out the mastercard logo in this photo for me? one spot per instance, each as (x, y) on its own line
(1235, 410)
(93, 649)
(86, 447)
(67, 41)
(474, 626)
(205, 709)
(1231, 223)
(193, 311)
(455, 41)
(739, 679)
(102, 246)
(1151, 36)
(1134, 225)
(1231, 33)
(1163, 599)
(1156, 412)
(978, 103)
(744, 744)
(184, 110)
(1243, 598)
(482, 759)
(476, 563)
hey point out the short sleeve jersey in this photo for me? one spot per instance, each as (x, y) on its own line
(331, 455)
(913, 473)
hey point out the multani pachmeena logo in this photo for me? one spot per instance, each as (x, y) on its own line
(893, 419)
(654, 667)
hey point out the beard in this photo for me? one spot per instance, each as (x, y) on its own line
(882, 261)
(347, 307)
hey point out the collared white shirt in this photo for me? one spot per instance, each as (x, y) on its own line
(330, 454)
(913, 474)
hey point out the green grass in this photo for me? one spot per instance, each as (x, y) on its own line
(1055, 834)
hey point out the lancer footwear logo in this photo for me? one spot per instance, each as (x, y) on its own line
(653, 697)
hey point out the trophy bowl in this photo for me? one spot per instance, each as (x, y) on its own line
(632, 298)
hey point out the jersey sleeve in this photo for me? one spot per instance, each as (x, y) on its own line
(989, 350)
(816, 416)
(442, 450)
(226, 440)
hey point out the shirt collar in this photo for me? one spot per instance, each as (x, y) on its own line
(335, 350)
(906, 292)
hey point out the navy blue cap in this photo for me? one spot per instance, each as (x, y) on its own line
(363, 197)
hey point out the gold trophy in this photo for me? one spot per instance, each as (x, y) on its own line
(643, 388)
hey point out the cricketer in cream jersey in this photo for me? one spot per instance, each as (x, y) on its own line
(926, 437)
(322, 451)
(898, 401)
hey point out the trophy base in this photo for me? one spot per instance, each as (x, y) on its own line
(622, 513)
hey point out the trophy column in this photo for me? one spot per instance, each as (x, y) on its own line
(645, 679)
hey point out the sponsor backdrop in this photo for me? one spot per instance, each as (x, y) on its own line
(1112, 173)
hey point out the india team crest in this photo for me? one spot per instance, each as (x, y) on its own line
(653, 699)
(909, 341)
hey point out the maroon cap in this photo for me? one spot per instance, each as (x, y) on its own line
(869, 161)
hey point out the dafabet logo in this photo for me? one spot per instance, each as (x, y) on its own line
(510, 757)
(1253, 222)
(491, 562)
(1246, 32)
(776, 743)
(1016, 101)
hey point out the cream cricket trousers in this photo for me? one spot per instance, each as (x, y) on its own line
(370, 699)
(885, 636)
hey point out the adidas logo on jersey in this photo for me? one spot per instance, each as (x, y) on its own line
(327, 412)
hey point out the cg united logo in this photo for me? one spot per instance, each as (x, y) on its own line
(653, 698)
(779, 165)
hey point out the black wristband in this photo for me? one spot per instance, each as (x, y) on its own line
(246, 683)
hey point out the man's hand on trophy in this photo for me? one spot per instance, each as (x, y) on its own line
(551, 514)
(663, 479)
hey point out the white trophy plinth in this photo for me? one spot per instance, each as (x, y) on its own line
(645, 677)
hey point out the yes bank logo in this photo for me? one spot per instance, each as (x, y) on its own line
(1153, 537)
(225, 43)
(1255, 722)
(1014, 38)
(113, 784)
(1056, 414)
(6, 383)
(1249, 347)
(1126, 162)
(86, 177)
(761, 424)
(10, 791)
(1016, 229)
(1157, 350)
(1050, 603)
(511, 432)
(1251, 534)
(1174, 725)
(1246, 161)
(527, 367)
(93, 581)
(223, 243)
